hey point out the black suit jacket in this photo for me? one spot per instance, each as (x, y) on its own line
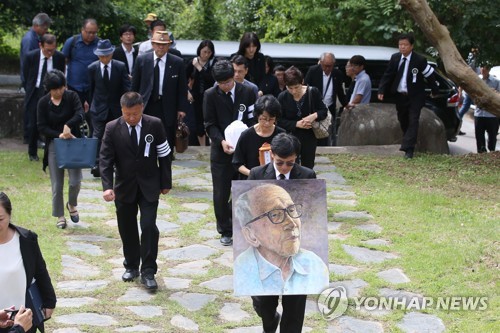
(119, 55)
(416, 90)
(107, 99)
(30, 70)
(174, 84)
(35, 268)
(267, 172)
(219, 112)
(314, 77)
(133, 170)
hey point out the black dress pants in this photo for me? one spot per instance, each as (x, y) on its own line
(408, 117)
(308, 144)
(31, 109)
(484, 125)
(145, 249)
(155, 109)
(292, 318)
(222, 175)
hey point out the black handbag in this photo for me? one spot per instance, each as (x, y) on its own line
(181, 136)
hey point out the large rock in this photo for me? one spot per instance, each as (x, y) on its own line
(377, 124)
(11, 113)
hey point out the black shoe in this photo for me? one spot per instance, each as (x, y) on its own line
(226, 240)
(95, 171)
(461, 133)
(409, 154)
(130, 274)
(148, 280)
(34, 158)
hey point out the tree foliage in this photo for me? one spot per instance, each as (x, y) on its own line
(369, 22)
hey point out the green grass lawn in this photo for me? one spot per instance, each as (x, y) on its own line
(440, 213)
(442, 216)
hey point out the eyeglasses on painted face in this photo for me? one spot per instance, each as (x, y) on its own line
(277, 216)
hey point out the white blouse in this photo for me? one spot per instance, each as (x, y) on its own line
(12, 274)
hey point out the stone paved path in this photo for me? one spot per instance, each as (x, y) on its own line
(195, 293)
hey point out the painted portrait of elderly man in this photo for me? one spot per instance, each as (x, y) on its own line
(280, 237)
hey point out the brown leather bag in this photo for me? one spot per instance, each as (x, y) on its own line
(181, 136)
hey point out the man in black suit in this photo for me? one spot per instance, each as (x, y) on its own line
(108, 81)
(404, 78)
(224, 103)
(136, 145)
(127, 53)
(284, 151)
(36, 64)
(329, 82)
(160, 78)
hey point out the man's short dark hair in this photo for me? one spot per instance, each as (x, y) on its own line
(54, 79)
(239, 60)
(48, 39)
(222, 70)
(127, 28)
(269, 104)
(408, 36)
(279, 68)
(358, 60)
(131, 99)
(285, 145)
(41, 19)
(157, 23)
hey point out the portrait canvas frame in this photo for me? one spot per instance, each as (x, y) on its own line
(311, 193)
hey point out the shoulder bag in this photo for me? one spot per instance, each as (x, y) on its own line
(320, 127)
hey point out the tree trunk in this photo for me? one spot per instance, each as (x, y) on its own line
(455, 66)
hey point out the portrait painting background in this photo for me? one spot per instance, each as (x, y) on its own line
(311, 193)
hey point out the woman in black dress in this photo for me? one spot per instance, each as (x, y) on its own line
(269, 83)
(199, 75)
(246, 155)
(250, 49)
(301, 105)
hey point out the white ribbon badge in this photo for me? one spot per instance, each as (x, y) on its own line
(414, 71)
(241, 110)
(149, 139)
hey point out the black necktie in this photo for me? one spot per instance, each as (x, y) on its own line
(133, 137)
(106, 76)
(230, 99)
(44, 71)
(401, 71)
(282, 176)
(156, 80)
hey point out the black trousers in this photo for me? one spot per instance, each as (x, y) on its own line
(486, 125)
(222, 175)
(408, 117)
(99, 126)
(145, 249)
(292, 318)
(308, 144)
(31, 111)
(83, 95)
(155, 109)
